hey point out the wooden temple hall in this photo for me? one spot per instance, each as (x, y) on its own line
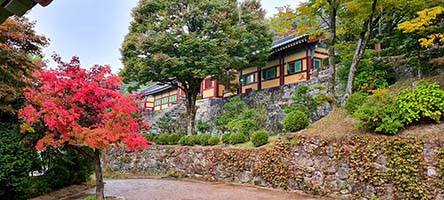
(293, 59)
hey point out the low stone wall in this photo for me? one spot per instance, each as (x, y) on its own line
(355, 167)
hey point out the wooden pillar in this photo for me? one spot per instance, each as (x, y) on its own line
(240, 82)
(281, 69)
(216, 88)
(309, 60)
(259, 77)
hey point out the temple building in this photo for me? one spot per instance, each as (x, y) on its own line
(293, 59)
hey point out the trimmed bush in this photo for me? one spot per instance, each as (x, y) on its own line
(149, 136)
(214, 140)
(296, 120)
(259, 138)
(162, 139)
(202, 139)
(173, 139)
(226, 138)
(237, 138)
(187, 140)
(355, 101)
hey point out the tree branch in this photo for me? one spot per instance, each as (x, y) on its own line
(82, 151)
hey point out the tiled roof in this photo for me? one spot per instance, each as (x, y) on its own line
(289, 39)
(18, 7)
(158, 87)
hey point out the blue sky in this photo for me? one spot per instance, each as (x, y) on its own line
(94, 29)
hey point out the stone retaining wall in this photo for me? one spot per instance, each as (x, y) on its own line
(355, 167)
(274, 99)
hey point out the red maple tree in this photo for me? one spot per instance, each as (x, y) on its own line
(83, 110)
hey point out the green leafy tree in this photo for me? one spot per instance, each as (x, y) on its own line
(367, 22)
(319, 17)
(429, 24)
(182, 42)
(284, 21)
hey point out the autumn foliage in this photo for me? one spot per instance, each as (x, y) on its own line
(83, 107)
(18, 45)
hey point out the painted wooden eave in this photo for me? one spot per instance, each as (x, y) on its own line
(18, 7)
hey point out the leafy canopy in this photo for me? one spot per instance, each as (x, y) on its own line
(82, 107)
(190, 40)
(428, 23)
(19, 48)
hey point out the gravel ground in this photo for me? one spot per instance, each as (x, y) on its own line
(165, 189)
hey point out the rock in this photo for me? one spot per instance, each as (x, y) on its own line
(379, 167)
(317, 179)
(310, 170)
(345, 191)
(439, 197)
(343, 173)
(245, 177)
(336, 185)
(428, 153)
(259, 181)
(330, 150)
(331, 170)
(431, 172)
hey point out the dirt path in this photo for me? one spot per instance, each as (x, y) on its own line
(163, 189)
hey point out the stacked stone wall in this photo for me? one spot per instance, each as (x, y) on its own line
(347, 167)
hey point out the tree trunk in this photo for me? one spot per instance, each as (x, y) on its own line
(359, 52)
(331, 49)
(95, 157)
(191, 97)
(364, 37)
(99, 178)
(419, 65)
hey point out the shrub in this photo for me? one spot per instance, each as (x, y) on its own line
(380, 114)
(202, 126)
(202, 139)
(38, 185)
(173, 139)
(162, 139)
(424, 102)
(66, 167)
(149, 136)
(16, 160)
(237, 138)
(166, 124)
(355, 101)
(243, 125)
(90, 198)
(370, 75)
(226, 138)
(187, 140)
(231, 110)
(214, 140)
(259, 138)
(303, 101)
(296, 120)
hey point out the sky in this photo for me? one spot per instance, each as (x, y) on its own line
(94, 29)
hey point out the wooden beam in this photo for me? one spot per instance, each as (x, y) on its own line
(43, 3)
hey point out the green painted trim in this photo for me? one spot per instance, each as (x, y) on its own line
(4, 14)
(19, 7)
